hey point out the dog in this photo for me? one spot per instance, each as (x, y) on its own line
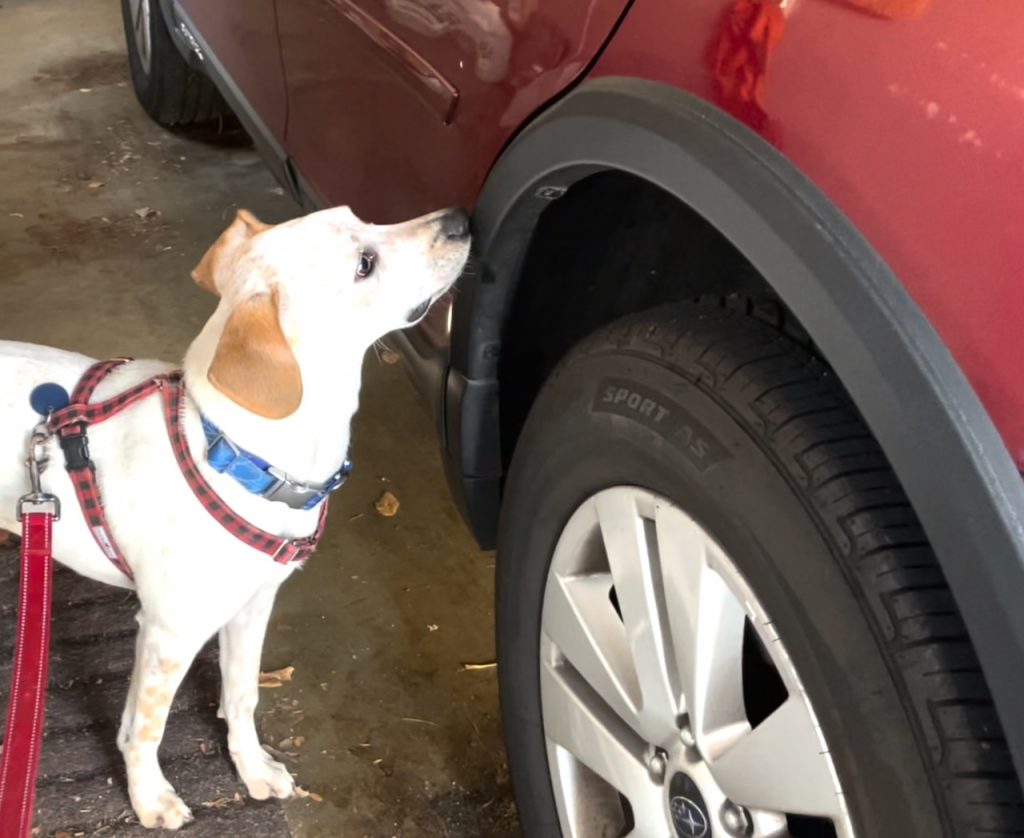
(277, 369)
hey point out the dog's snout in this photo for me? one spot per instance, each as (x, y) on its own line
(455, 224)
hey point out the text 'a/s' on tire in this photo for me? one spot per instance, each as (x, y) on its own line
(717, 612)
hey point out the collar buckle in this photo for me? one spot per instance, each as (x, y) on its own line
(291, 492)
(300, 495)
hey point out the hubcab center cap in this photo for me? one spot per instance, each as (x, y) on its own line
(695, 804)
(687, 808)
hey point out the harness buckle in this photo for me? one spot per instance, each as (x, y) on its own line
(75, 445)
(285, 553)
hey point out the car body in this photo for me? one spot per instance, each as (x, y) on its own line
(863, 158)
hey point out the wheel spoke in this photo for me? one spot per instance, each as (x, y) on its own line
(780, 766)
(768, 824)
(632, 552)
(707, 631)
(576, 720)
(580, 621)
(139, 13)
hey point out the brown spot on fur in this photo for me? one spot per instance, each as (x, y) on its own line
(254, 365)
(217, 257)
(149, 732)
(168, 666)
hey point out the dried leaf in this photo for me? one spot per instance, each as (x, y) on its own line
(146, 212)
(95, 184)
(472, 667)
(286, 744)
(432, 626)
(387, 505)
(312, 795)
(276, 678)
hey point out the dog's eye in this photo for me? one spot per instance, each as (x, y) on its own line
(367, 262)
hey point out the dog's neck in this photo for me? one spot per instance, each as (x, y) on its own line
(310, 444)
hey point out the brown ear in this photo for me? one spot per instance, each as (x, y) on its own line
(254, 366)
(244, 227)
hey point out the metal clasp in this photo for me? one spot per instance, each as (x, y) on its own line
(36, 463)
(288, 491)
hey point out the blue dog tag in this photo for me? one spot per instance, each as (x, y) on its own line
(48, 397)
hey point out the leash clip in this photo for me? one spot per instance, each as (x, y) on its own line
(36, 463)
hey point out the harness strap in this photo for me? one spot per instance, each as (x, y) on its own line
(71, 424)
(282, 550)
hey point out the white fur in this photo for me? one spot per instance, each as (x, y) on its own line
(193, 578)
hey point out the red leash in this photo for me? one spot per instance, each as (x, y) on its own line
(27, 698)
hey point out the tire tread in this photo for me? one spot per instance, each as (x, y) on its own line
(802, 415)
(172, 93)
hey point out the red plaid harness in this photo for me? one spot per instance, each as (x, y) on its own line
(71, 423)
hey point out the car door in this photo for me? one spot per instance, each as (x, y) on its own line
(398, 107)
(242, 38)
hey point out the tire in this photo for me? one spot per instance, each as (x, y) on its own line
(170, 91)
(764, 451)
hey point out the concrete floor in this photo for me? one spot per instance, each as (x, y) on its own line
(399, 738)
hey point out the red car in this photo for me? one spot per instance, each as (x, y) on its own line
(732, 384)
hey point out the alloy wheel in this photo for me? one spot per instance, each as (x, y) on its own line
(140, 13)
(670, 705)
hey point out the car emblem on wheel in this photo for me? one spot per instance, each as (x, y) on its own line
(688, 818)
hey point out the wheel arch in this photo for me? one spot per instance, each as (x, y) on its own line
(921, 408)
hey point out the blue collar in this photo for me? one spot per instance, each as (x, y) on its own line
(256, 475)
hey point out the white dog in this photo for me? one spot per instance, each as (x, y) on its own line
(277, 370)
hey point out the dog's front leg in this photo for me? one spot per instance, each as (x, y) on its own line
(162, 657)
(241, 644)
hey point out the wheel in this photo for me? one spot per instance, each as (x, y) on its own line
(717, 614)
(170, 91)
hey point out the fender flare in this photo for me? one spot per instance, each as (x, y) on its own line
(954, 467)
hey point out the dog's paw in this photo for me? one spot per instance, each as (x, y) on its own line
(166, 811)
(264, 777)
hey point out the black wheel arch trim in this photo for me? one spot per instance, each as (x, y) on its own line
(953, 464)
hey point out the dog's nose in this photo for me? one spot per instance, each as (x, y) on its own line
(455, 224)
